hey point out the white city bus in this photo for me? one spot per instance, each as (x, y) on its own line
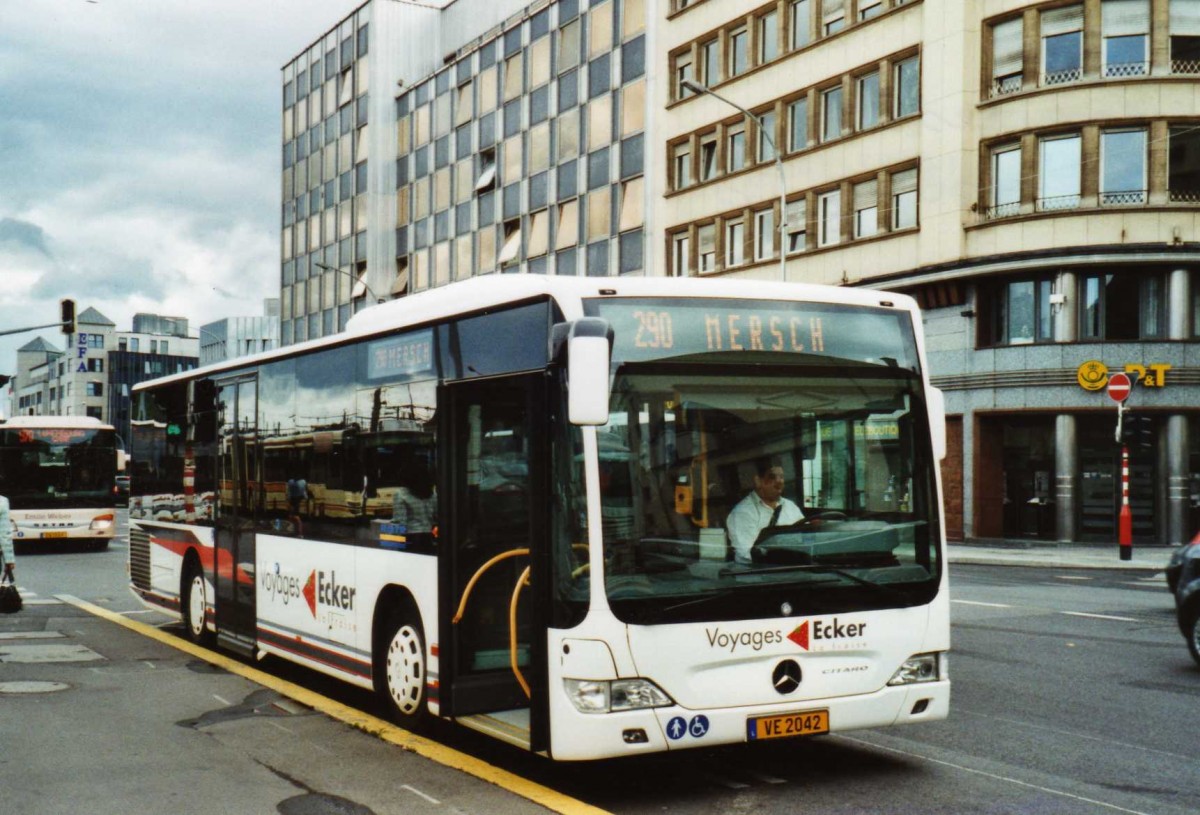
(576, 593)
(59, 475)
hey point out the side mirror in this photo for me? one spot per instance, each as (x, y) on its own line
(937, 422)
(588, 350)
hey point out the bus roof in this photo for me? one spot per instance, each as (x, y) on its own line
(88, 422)
(496, 290)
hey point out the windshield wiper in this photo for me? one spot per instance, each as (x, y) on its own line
(725, 592)
(820, 569)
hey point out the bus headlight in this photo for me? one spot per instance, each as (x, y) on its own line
(603, 696)
(101, 523)
(919, 668)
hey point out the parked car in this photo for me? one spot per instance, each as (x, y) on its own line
(1187, 599)
(1176, 562)
(122, 485)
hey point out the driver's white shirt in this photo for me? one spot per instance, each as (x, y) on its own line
(751, 516)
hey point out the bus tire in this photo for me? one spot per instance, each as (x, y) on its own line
(192, 604)
(402, 678)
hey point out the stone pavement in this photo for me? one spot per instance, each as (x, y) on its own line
(1063, 556)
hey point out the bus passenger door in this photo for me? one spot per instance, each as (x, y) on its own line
(493, 508)
(238, 475)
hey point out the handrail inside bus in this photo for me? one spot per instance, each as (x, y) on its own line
(462, 604)
(522, 582)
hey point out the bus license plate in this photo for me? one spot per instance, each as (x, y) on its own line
(54, 534)
(786, 725)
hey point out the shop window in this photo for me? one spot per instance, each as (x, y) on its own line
(1020, 312)
(1062, 45)
(1122, 306)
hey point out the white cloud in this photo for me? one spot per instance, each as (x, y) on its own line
(142, 149)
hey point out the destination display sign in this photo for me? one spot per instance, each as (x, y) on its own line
(646, 329)
(397, 357)
(56, 436)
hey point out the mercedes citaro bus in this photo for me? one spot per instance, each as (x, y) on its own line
(581, 444)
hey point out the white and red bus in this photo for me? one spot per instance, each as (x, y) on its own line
(577, 447)
(59, 475)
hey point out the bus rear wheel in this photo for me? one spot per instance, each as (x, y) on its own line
(192, 605)
(1192, 632)
(403, 670)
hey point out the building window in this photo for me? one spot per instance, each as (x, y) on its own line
(1062, 45)
(766, 137)
(95, 340)
(94, 389)
(799, 22)
(486, 180)
(768, 37)
(683, 74)
(866, 209)
(1005, 198)
(735, 243)
(708, 157)
(1122, 306)
(133, 344)
(798, 125)
(797, 226)
(709, 62)
(833, 16)
(1123, 167)
(829, 218)
(868, 101)
(706, 244)
(869, 8)
(1021, 313)
(739, 52)
(681, 246)
(1185, 36)
(904, 199)
(831, 114)
(1059, 173)
(1183, 165)
(907, 84)
(1007, 56)
(681, 161)
(735, 148)
(1125, 26)
(764, 234)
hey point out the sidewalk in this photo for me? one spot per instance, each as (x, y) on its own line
(1063, 556)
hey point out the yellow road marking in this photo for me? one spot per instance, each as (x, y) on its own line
(373, 725)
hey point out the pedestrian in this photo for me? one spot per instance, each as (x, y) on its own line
(11, 599)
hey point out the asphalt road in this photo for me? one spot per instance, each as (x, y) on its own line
(1073, 693)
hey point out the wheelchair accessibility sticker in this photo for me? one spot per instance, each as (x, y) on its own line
(679, 727)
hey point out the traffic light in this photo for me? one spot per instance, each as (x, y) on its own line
(67, 320)
(1137, 432)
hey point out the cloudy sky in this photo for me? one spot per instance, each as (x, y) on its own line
(139, 155)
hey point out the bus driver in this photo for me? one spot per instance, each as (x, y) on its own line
(764, 507)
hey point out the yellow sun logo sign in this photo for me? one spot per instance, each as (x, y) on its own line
(1092, 375)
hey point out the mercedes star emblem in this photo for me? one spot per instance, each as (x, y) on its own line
(786, 676)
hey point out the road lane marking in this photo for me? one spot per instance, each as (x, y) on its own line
(1100, 616)
(551, 799)
(978, 603)
(420, 794)
(995, 776)
(1071, 577)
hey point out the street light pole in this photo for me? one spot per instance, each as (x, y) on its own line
(695, 88)
(320, 265)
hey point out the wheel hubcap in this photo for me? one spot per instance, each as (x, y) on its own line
(406, 670)
(196, 605)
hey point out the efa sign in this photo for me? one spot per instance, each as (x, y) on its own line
(1094, 376)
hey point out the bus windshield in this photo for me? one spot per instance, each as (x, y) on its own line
(53, 466)
(687, 444)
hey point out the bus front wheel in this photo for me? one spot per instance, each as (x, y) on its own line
(404, 667)
(192, 605)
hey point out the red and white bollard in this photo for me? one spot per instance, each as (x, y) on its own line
(1125, 520)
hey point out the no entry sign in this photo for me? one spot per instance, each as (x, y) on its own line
(1118, 387)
